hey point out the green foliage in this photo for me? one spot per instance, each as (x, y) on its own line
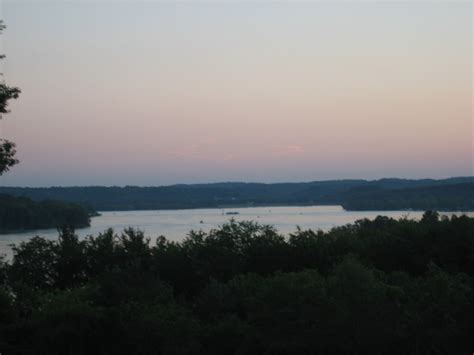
(34, 263)
(373, 287)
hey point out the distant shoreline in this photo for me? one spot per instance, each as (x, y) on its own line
(281, 205)
(353, 195)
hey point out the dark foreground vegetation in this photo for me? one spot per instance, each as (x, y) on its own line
(373, 287)
(21, 213)
(454, 194)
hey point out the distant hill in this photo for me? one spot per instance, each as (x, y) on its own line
(456, 197)
(454, 193)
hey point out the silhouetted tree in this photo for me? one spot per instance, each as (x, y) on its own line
(7, 148)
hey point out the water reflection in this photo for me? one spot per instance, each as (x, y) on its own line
(175, 224)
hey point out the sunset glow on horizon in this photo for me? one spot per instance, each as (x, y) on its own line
(154, 93)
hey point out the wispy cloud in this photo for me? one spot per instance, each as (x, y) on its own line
(287, 150)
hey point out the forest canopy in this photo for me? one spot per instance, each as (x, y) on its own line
(381, 286)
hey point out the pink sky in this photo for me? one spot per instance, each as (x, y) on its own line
(160, 93)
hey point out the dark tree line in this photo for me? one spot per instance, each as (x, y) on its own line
(373, 287)
(21, 213)
(454, 194)
(452, 197)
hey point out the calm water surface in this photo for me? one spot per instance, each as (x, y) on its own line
(175, 224)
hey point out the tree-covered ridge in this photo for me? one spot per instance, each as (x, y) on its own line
(373, 287)
(446, 194)
(21, 213)
(456, 197)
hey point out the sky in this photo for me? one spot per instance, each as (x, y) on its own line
(158, 93)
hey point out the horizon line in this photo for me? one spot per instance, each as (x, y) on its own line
(237, 182)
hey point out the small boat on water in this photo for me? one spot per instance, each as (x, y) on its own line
(231, 213)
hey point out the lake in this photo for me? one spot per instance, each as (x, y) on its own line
(175, 224)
